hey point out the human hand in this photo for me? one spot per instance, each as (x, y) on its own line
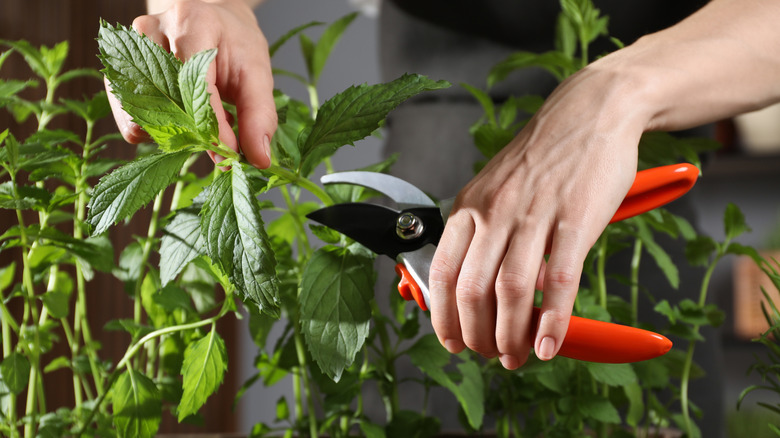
(241, 73)
(552, 190)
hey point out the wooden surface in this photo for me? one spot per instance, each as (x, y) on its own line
(47, 22)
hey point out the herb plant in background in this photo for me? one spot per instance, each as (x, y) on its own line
(564, 397)
(767, 366)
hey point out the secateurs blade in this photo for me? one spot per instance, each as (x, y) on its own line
(410, 234)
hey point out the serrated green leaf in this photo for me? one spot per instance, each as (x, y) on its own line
(598, 408)
(205, 362)
(734, 222)
(284, 38)
(137, 405)
(282, 410)
(430, 357)
(612, 374)
(554, 62)
(699, 250)
(336, 291)
(121, 193)
(32, 55)
(325, 44)
(144, 77)
(355, 113)
(659, 254)
(7, 276)
(236, 240)
(15, 371)
(485, 100)
(195, 95)
(182, 241)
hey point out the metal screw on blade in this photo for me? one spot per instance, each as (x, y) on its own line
(408, 226)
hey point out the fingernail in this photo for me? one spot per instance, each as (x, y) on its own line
(546, 348)
(267, 147)
(508, 361)
(453, 346)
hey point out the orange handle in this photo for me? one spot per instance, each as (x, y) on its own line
(586, 339)
(605, 342)
(655, 187)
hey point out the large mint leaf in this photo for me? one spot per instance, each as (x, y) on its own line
(430, 357)
(205, 362)
(355, 113)
(336, 291)
(137, 405)
(144, 76)
(236, 239)
(182, 241)
(122, 192)
(195, 95)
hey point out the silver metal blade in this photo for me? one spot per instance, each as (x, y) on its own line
(403, 193)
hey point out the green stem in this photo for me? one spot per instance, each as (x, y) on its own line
(300, 351)
(133, 349)
(636, 258)
(688, 364)
(302, 182)
(314, 99)
(304, 247)
(392, 404)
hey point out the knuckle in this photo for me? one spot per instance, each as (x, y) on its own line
(442, 272)
(513, 285)
(555, 318)
(562, 279)
(144, 24)
(471, 289)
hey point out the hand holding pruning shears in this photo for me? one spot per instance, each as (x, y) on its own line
(410, 235)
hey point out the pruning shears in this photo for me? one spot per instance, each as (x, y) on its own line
(410, 234)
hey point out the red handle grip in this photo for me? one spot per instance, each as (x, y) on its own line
(586, 339)
(655, 187)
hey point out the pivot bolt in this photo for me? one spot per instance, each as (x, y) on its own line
(408, 226)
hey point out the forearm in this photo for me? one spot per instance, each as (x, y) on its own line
(719, 62)
(157, 6)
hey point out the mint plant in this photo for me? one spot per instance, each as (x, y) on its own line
(217, 256)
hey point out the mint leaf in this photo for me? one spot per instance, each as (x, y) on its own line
(121, 193)
(181, 243)
(236, 240)
(430, 357)
(336, 292)
(194, 93)
(137, 405)
(620, 374)
(325, 44)
(143, 76)
(598, 408)
(554, 62)
(355, 113)
(205, 362)
(734, 222)
(272, 49)
(15, 371)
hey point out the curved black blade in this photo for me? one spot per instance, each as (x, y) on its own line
(374, 226)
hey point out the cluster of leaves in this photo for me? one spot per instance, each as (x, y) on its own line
(323, 291)
(581, 396)
(216, 254)
(767, 366)
(43, 288)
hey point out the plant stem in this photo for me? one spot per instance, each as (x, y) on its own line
(636, 258)
(314, 99)
(688, 364)
(133, 349)
(302, 182)
(301, 354)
